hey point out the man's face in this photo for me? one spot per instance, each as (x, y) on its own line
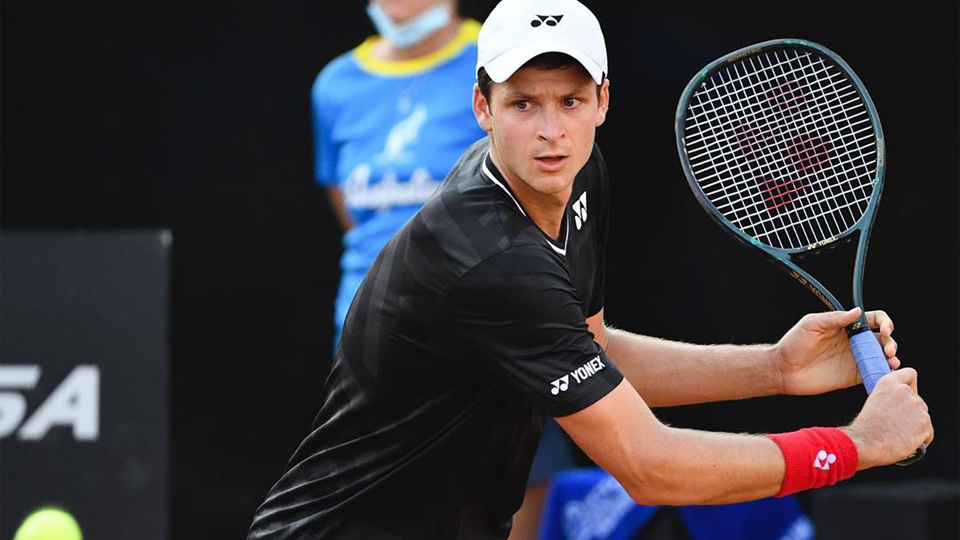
(542, 125)
(403, 10)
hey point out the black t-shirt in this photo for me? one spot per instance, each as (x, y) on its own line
(468, 331)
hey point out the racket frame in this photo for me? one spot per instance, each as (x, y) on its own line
(784, 258)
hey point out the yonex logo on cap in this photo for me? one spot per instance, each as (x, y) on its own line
(549, 20)
(580, 210)
(824, 460)
(517, 31)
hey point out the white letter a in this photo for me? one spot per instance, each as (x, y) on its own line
(75, 402)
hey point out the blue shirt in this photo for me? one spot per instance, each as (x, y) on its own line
(386, 133)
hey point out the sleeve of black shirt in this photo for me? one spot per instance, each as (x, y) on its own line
(517, 314)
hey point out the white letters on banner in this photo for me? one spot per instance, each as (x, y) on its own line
(75, 403)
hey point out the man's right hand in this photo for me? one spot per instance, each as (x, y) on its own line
(893, 423)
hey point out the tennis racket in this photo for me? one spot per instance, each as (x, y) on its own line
(782, 147)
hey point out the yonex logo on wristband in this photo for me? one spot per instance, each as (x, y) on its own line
(824, 460)
(834, 458)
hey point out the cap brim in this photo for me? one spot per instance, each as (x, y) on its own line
(502, 67)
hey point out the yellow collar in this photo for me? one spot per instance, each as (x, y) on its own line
(469, 30)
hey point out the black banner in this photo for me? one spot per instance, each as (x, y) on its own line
(84, 404)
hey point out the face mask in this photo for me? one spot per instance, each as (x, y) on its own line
(412, 31)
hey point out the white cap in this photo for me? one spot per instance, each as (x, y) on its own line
(518, 30)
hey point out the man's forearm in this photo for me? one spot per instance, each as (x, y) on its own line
(669, 373)
(698, 467)
(658, 464)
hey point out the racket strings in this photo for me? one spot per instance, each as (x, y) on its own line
(774, 194)
(810, 159)
(782, 196)
(784, 147)
(805, 120)
(724, 87)
(730, 153)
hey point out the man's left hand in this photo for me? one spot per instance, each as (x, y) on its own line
(814, 356)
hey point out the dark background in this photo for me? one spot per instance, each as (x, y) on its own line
(195, 117)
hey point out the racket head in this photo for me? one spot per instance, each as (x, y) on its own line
(780, 153)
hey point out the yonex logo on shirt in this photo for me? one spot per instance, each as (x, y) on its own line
(560, 385)
(580, 210)
(549, 20)
(579, 375)
(824, 460)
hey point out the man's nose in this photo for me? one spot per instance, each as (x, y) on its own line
(551, 126)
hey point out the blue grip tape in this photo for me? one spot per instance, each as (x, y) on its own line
(871, 362)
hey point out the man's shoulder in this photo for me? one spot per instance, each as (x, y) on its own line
(596, 165)
(467, 219)
(469, 165)
(524, 258)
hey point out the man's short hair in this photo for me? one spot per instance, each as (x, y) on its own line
(545, 61)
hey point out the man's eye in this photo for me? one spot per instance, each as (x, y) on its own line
(522, 105)
(570, 102)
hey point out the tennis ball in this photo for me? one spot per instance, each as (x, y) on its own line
(49, 524)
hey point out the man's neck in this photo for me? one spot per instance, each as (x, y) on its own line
(546, 210)
(385, 50)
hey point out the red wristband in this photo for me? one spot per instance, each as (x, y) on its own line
(815, 457)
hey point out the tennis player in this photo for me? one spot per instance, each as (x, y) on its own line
(390, 116)
(483, 316)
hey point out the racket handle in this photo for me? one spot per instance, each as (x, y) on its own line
(872, 364)
(922, 451)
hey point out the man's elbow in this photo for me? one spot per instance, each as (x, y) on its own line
(654, 481)
(652, 489)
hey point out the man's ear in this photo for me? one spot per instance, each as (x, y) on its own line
(604, 102)
(481, 109)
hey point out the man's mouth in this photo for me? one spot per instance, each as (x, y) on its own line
(550, 162)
